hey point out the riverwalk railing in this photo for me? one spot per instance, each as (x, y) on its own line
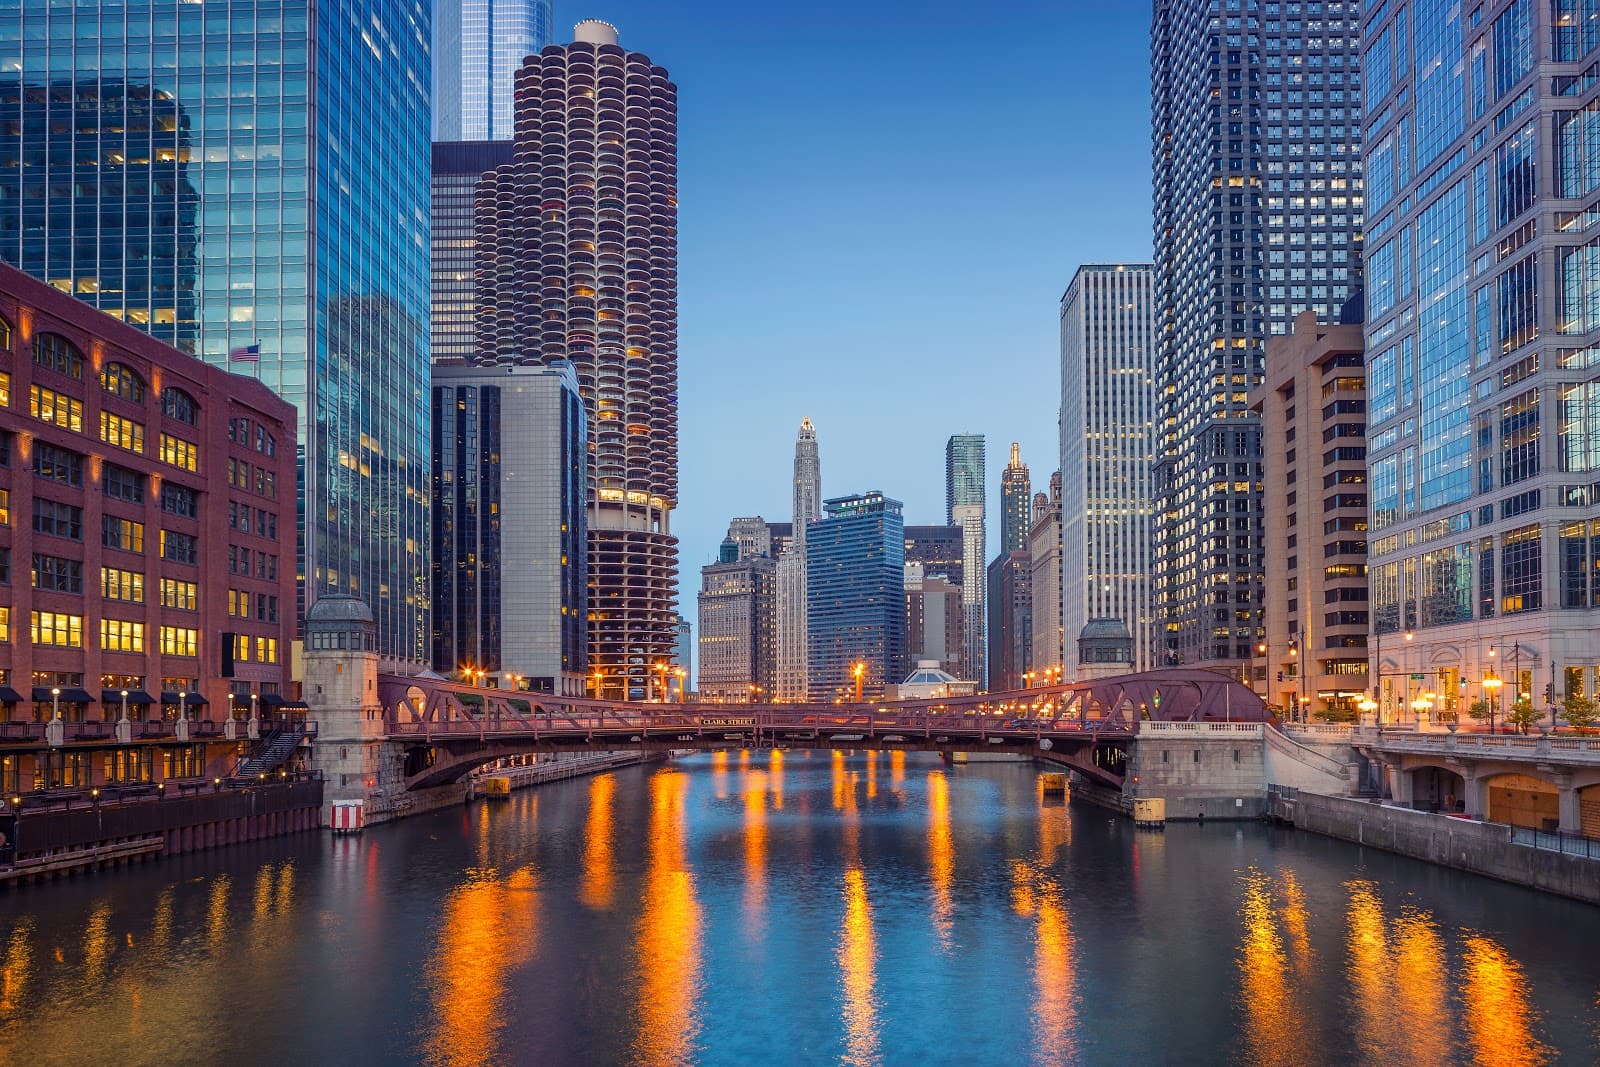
(1557, 841)
(1584, 751)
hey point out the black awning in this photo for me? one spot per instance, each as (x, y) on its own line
(294, 705)
(192, 700)
(68, 696)
(113, 697)
(271, 700)
(9, 695)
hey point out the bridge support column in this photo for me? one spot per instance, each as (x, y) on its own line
(1398, 782)
(341, 686)
(1567, 804)
(1474, 803)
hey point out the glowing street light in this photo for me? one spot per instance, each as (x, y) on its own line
(859, 671)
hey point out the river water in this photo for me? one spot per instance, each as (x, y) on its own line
(795, 908)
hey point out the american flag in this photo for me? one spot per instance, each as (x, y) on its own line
(247, 354)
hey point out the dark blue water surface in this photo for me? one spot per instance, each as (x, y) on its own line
(795, 908)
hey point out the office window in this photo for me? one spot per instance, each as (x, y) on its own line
(179, 500)
(57, 464)
(5, 389)
(57, 575)
(58, 409)
(56, 629)
(54, 352)
(179, 547)
(121, 635)
(117, 584)
(123, 534)
(177, 404)
(179, 641)
(179, 594)
(119, 379)
(121, 433)
(179, 453)
(120, 483)
(55, 519)
(1521, 587)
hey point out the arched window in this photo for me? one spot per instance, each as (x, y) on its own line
(58, 354)
(177, 404)
(119, 379)
(5, 333)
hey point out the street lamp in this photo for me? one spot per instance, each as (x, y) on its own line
(1261, 651)
(124, 705)
(859, 671)
(55, 703)
(1367, 705)
(682, 674)
(1027, 679)
(661, 676)
(1492, 683)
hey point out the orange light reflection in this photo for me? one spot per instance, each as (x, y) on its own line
(858, 972)
(669, 933)
(941, 856)
(598, 886)
(1499, 1016)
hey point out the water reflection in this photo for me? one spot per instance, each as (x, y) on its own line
(599, 880)
(18, 964)
(1370, 971)
(719, 773)
(669, 932)
(217, 912)
(1274, 1031)
(1422, 984)
(941, 855)
(858, 955)
(97, 944)
(1499, 1017)
(775, 767)
(489, 930)
(1036, 894)
(755, 853)
(897, 772)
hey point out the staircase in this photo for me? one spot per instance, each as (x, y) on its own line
(273, 752)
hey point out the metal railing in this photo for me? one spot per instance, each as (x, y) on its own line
(1566, 843)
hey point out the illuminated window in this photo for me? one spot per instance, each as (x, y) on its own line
(266, 650)
(124, 534)
(119, 379)
(179, 641)
(127, 586)
(57, 629)
(179, 453)
(121, 635)
(5, 390)
(5, 507)
(121, 433)
(178, 594)
(5, 623)
(47, 405)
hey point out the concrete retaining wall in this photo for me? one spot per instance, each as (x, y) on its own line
(1201, 774)
(1482, 848)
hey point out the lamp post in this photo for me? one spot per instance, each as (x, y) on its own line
(681, 675)
(183, 705)
(55, 703)
(661, 678)
(859, 671)
(1299, 669)
(124, 706)
(1492, 683)
(1261, 652)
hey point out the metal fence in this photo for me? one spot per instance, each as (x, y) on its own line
(1557, 841)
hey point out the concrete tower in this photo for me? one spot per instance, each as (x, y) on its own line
(789, 680)
(577, 259)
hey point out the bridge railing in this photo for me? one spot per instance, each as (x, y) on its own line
(1489, 746)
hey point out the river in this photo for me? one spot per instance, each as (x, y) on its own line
(795, 908)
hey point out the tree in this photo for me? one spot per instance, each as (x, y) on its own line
(1579, 711)
(1522, 715)
(1480, 709)
(1337, 713)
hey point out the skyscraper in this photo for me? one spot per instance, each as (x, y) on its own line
(964, 507)
(855, 593)
(509, 589)
(738, 607)
(1483, 306)
(477, 47)
(457, 166)
(1016, 494)
(1010, 620)
(1256, 135)
(305, 264)
(577, 259)
(1108, 412)
(1044, 556)
(789, 679)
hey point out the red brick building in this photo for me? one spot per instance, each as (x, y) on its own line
(147, 544)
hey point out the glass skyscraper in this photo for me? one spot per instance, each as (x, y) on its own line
(158, 159)
(1483, 347)
(477, 47)
(964, 507)
(457, 166)
(855, 597)
(1256, 140)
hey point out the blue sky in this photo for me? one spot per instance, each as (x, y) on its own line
(881, 205)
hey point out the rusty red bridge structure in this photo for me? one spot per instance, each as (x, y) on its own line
(448, 729)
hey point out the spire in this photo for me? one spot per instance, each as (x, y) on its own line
(1016, 454)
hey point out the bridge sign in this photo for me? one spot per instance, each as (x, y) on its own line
(729, 722)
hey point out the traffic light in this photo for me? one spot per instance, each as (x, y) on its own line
(1549, 692)
(1280, 676)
